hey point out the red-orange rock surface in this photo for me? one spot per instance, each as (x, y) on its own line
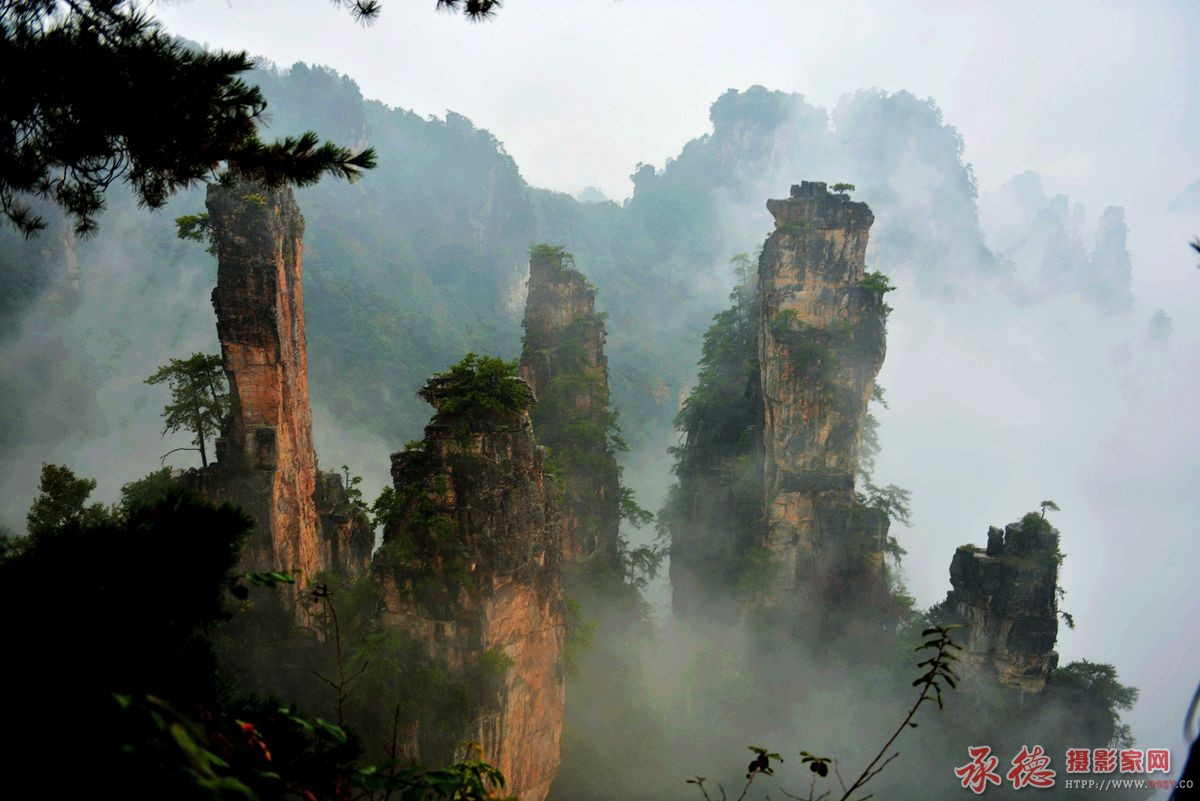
(265, 458)
(471, 565)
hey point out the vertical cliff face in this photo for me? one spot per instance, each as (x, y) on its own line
(563, 361)
(1006, 596)
(470, 568)
(265, 458)
(821, 342)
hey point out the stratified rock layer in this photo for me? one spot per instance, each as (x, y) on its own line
(821, 343)
(470, 567)
(265, 458)
(1006, 596)
(563, 361)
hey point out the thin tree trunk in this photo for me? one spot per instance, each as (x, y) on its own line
(200, 431)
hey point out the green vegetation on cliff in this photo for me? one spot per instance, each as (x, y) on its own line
(480, 387)
(712, 517)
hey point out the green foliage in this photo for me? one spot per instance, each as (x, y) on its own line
(1035, 524)
(152, 112)
(197, 228)
(630, 510)
(152, 713)
(1101, 679)
(385, 679)
(139, 592)
(869, 448)
(62, 503)
(712, 520)
(146, 491)
(843, 187)
(386, 507)
(798, 228)
(787, 321)
(199, 397)
(641, 565)
(892, 500)
(546, 251)
(481, 386)
(1093, 690)
(1059, 595)
(421, 544)
(354, 495)
(1051, 505)
(728, 362)
(878, 284)
(576, 422)
(744, 270)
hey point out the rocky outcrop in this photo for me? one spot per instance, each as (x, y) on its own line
(821, 342)
(1006, 596)
(266, 463)
(563, 361)
(469, 568)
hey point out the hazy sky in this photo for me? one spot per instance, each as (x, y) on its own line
(1098, 97)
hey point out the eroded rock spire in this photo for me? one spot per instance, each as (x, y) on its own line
(821, 342)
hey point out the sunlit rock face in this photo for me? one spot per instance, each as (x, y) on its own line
(265, 458)
(563, 360)
(821, 343)
(470, 567)
(1006, 597)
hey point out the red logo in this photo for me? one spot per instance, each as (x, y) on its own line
(1079, 760)
(1104, 760)
(1031, 769)
(1132, 761)
(1158, 759)
(980, 770)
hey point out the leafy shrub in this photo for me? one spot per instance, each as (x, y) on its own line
(481, 386)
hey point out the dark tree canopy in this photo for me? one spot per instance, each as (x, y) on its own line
(94, 92)
(61, 502)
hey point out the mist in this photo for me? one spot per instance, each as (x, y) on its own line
(1032, 172)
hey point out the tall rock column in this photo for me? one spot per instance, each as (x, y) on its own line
(265, 458)
(563, 361)
(470, 570)
(821, 342)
